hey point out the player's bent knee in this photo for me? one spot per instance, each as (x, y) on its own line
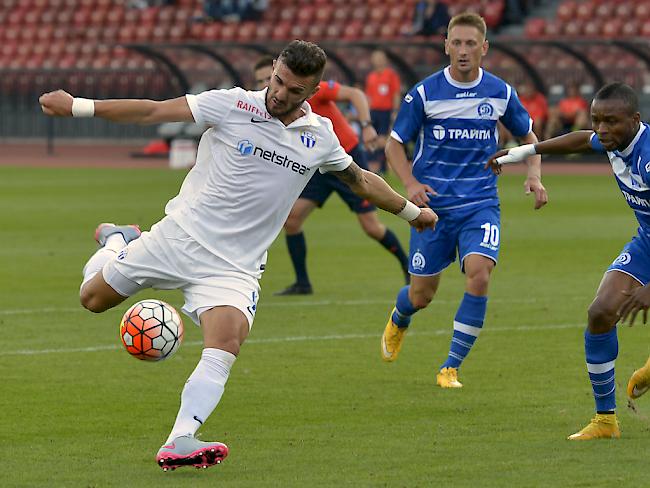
(601, 317)
(90, 301)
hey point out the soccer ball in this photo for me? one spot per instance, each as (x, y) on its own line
(151, 330)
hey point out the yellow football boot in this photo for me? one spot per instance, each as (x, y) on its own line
(391, 341)
(448, 378)
(639, 382)
(602, 426)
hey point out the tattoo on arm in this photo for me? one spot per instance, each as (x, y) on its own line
(352, 175)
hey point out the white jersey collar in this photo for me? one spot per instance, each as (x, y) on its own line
(628, 150)
(460, 84)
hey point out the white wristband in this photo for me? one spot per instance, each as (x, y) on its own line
(409, 212)
(517, 154)
(83, 107)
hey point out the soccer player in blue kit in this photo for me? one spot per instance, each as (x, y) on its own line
(453, 114)
(624, 290)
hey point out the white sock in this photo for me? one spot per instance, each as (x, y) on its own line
(114, 244)
(202, 391)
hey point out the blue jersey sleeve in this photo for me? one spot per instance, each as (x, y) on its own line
(516, 118)
(595, 144)
(410, 117)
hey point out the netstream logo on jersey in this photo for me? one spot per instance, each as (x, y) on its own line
(246, 148)
(440, 133)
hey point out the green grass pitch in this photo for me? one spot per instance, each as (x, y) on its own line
(309, 402)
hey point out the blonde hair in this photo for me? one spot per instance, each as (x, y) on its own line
(470, 19)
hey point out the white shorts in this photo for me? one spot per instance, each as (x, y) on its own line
(167, 258)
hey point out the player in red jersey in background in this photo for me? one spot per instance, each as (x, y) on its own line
(383, 89)
(321, 186)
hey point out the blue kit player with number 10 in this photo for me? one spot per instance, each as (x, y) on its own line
(453, 116)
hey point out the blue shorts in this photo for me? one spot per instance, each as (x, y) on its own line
(473, 231)
(320, 187)
(634, 259)
(381, 120)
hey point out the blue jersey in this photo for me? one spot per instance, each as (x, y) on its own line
(456, 129)
(632, 171)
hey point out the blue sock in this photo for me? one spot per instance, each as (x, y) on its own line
(601, 351)
(467, 325)
(298, 252)
(403, 309)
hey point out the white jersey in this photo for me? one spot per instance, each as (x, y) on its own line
(242, 191)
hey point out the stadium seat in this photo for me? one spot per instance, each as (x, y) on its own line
(605, 10)
(612, 29)
(352, 31)
(584, 11)
(592, 28)
(573, 28)
(534, 28)
(212, 31)
(315, 31)
(642, 10)
(630, 28)
(566, 10)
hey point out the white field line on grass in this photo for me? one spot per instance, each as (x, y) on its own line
(273, 340)
(297, 303)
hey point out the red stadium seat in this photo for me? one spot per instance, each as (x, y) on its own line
(645, 29)
(196, 30)
(229, 32)
(388, 31)
(370, 30)
(305, 14)
(352, 31)
(624, 11)
(584, 11)
(592, 28)
(630, 28)
(333, 31)
(642, 10)
(324, 13)
(298, 31)
(288, 14)
(360, 13)
(246, 31)
(263, 31)
(316, 31)
(605, 10)
(573, 28)
(552, 29)
(378, 13)
(98, 17)
(566, 10)
(492, 13)
(612, 29)
(212, 32)
(535, 28)
(281, 31)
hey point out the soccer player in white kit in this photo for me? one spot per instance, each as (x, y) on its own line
(263, 148)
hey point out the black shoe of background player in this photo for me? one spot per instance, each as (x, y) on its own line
(296, 289)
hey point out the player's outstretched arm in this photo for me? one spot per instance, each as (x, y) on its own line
(374, 189)
(61, 104)
(573, 142)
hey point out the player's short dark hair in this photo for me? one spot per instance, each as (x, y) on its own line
(263, 62)
(304, 58)
(619, 91)
(471, 19)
